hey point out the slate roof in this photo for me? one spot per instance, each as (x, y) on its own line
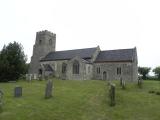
(115, 55)
(69, 54)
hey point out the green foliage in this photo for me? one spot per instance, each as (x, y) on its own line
(157, 72)
(144, 71)
(80, 100)
(12, 62)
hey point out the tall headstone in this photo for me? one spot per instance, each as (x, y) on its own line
(30, 77)
(123, 84)
(48, 90)
(112, 95)
(140, 80)
(18, 91)
(121, 81)
(1, 96)
(35, 76)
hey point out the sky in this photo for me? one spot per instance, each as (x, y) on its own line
(111, 24)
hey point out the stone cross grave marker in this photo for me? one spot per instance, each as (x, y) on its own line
(48, 90)
(112, 95)
(18, 91)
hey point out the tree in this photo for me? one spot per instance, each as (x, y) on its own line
(12, 62)
(144, 71)
(157, 72)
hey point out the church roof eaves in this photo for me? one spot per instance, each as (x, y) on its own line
(69, 54)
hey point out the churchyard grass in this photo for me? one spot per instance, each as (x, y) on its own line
(80, 100)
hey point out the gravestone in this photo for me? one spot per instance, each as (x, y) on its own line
(140, 80)
(121, 81)
(40, 77)
(123, 84)
(18, 91)
(112, 95)
(30, 77)
(35, 76)
(48, 90)
(1, 96)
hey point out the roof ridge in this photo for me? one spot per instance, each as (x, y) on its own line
(117, 49)
(74, 49)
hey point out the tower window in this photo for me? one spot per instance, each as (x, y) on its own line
(76, 67)
(50, 41)
(118, 70)
(40, 42)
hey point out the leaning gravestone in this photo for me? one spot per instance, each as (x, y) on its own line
(48, 90)
(18, 91)
(112, 95)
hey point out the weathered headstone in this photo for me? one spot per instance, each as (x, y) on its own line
(48, 90)
(30, 77)
(40, 77)
(140, 80)
(1, 96)
(35, 76)
(121, 81)
(18, 91)
(112, 95)
(26, 76)
(123, 84)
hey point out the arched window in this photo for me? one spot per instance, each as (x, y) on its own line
(75, 67)
(50, 41)
(64, 68)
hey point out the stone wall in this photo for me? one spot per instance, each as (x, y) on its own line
(111, 71)
(85, 69)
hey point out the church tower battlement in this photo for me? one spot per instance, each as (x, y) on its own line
(45, 42)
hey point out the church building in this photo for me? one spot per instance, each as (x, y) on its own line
(82, 64)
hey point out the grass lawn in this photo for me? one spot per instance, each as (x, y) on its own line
(80, 100)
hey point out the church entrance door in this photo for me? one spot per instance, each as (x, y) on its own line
(104, 75)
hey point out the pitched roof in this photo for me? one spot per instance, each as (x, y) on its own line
(69, 54)
(115, 55)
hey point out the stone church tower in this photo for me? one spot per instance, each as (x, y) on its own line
(45, 43)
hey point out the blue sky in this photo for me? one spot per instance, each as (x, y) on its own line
(111, 24)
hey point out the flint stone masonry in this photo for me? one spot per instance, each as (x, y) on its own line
(18, 91)
(92, 62)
